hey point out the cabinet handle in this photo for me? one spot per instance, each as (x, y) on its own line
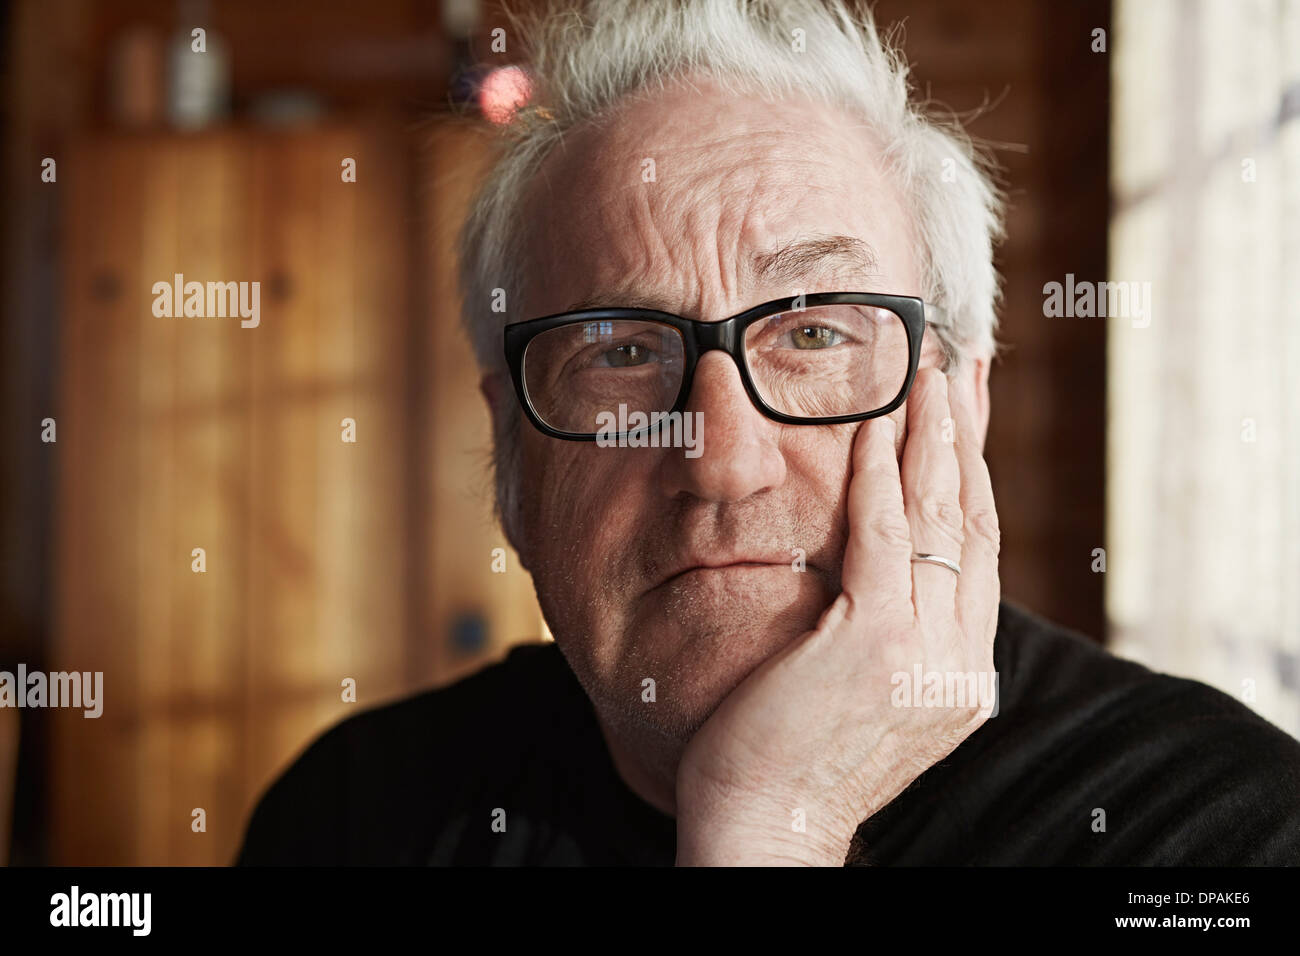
(105, 287)
(280, 285)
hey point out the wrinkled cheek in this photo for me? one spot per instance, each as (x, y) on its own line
(821, 455)
(563, 499)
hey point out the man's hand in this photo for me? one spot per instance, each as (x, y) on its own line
(816, 730)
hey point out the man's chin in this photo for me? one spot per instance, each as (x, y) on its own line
(706, 633)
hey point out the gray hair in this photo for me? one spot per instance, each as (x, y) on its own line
(585, 57)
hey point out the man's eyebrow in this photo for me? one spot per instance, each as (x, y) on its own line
(803, 258)
(622, 300)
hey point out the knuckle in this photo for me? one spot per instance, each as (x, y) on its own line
(984, 524)
(880, 474)
(891, 531)
(942, 513)
(896, 657)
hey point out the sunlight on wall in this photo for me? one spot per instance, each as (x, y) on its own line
(1203, 487)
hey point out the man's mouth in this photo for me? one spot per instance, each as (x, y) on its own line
(704, 568)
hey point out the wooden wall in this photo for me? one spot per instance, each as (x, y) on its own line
(183, 433)
(462, 534)
(326, 560)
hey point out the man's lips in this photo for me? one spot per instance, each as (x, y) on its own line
(730, 564)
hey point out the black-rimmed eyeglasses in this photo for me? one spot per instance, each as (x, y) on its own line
(820, 359)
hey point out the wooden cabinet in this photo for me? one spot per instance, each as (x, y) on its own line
(320, 556)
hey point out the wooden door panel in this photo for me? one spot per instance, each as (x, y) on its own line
(194, 432)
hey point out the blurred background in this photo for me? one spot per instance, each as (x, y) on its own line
(1147, 475)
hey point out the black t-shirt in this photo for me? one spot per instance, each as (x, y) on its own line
(1183, 773)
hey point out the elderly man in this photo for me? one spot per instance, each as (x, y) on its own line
(739, 394)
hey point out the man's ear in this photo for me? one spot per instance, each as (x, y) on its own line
(496, 390)
(492, 386)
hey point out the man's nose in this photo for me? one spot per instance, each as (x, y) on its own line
(739, 455)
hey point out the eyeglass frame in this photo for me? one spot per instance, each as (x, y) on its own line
(725, 335)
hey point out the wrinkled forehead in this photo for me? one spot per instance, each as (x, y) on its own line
(688, 198)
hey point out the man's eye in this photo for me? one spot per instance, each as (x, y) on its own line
(814, 337)
(624, 356)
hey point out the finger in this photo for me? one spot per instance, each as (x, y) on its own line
(979, 589)
(932, 496)
(879, 545)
